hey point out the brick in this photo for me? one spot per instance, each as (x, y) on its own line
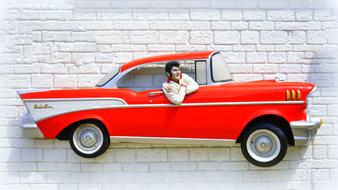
(239, 26)
(88, 80)
(161, 48)
(123, 177)
(178, 154)
(194, 25)
(249, 37)
(150, 14)
(240, 68)
(31, 155)
(17, 81)
(316, 37)
(192, 176)
(198, 154)
(22, 166)
(56, 36)
(125, 155)
(304, 15)
(265, 68)
(65, 81)
(178, 14)
(242, 48)
(79, 177)
(333, 151)
(53, 69)
(55, 155)
(42, 81)
(261, 25)
(32, 177)
(280, 15)
(298, 174)
(204, 14)
(149, 177)
(207, 166)
(201, 37)
(320, 152)
(160, 166)
(277, 57)
(67, 186)
(289, 68)
(323, 15)
(253, 15)
(131, 25)
(180, 37)
(273, 37)
(183, 166)
(150, 155)
(220, 25)
(164, 25)
(143, 37)
(234, 57)
(115, 14)
(60, 177)
(256, 57)
(100, 177)
(297, 37)
(114, 37)
(231, 15)
(77, 47)
(295, 57)
(229, 37)
(297, 25)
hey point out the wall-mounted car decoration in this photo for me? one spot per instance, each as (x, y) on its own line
(128, 105)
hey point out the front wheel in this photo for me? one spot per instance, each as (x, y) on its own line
(264, 145)
(89, 140)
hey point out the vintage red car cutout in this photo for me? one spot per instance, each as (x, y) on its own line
(128, 105)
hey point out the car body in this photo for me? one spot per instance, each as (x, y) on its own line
(124, 108)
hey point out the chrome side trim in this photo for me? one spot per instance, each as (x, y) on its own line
(71, 99)
(85, 104)
(174, 140)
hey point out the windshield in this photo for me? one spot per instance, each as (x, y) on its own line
(220, 69)
(108, 76)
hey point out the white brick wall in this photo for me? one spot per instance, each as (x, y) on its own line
(65, 44)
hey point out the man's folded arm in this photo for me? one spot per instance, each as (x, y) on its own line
(176, 98)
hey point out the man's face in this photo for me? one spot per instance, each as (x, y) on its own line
(175, 73)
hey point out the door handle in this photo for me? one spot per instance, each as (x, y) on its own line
(155, 93)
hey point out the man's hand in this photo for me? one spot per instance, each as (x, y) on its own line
(168, 88)
(183, 83)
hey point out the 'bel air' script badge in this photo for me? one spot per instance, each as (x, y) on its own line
(42, 106)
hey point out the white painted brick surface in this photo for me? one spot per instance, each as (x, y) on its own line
(70, 44)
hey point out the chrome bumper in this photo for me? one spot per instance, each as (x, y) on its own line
(303, 131)
(29, 127)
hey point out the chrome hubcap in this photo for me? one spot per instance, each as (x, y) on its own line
(88, 138)
(263, 145)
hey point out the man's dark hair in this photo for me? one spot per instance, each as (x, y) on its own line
(170, 65)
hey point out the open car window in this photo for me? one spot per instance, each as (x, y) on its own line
(152, 76)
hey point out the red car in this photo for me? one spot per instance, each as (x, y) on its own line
(128, 105)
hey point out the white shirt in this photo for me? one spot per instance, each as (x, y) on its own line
(176, 92)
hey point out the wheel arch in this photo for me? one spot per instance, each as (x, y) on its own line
(64, 134)
(277, 120)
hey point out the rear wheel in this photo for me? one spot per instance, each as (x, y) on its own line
(264, 145)
(89, 140)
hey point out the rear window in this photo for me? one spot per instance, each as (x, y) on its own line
(220, 69)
